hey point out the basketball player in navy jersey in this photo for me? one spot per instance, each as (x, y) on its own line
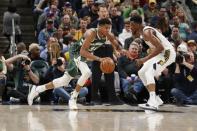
(161, 55)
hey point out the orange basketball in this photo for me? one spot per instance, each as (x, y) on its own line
(107, 66)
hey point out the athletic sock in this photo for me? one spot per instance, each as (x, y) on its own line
(152, 95)
(41, 88)
(74, 94)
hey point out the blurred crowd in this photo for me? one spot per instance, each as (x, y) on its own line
(60, 23)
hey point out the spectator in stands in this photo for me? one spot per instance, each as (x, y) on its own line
(82, 29)
(51, 51)
(59, 35)
(73, 19)
(52, 2)
(89, 10)
(172, 11)
(160, 21)
(181, 15)
(117, 21)
(103, 13)
(46, 33)
(52, 14)
(150, 11)
(185, 81)
(193, 35)
(135, 5)
(175, 37)
(34, 52)
(142, 47)
(192, 46)
(66, 22)
(8, 16)
(39, 5)
(21, 48)
(127, 67)
(183, 28)
(126, 33)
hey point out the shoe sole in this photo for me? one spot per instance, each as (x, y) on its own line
(148, 107)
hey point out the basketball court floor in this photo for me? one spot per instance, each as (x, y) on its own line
(96, 118)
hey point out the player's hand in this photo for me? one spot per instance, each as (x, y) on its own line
(124, 52)
(101, 59)
(139, 62)
(117, 53)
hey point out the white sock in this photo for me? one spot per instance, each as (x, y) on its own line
(41, 88)
(152, 95)
(75, 93)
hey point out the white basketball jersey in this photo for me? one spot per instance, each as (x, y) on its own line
(165, 43)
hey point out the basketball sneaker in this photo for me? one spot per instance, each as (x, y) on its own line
(32, 94)
(152, 104)
(73, 101)
(159, 101)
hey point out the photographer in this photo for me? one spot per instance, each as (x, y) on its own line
(57, 70)
(22, 75)
(185, 79)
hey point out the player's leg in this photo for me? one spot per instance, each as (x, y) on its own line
(146, 74)
(59, 82)
(85, 74)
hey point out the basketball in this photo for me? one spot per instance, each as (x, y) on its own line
(107, 66)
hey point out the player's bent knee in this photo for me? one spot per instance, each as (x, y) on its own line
(87, 74)
(84, 77)
(62, 81)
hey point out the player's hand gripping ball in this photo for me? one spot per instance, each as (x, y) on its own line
(107, 65)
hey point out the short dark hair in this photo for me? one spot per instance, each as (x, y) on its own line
(12, 8)
(104, 21)
(136, 19)
(102, 6)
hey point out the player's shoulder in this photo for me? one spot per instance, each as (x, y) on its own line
(90, 32)
(148, 29)
(147, 32)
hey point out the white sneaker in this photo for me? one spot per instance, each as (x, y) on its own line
(159, 101)
(12, 99)
(32, 94)
(73, 101)
(150, 105)
(72, 104)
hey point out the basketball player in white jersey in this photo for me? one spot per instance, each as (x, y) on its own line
(161, 55)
